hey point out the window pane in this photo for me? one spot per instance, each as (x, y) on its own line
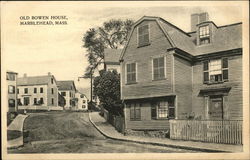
(132, 112)
(171, 113)
(155, 63)
(133, 77)
(133, 67)
(224, 63)
(206, 76)
(225, 74)
(161, 73)
(128, 68)
(205, 66)
(161, 62)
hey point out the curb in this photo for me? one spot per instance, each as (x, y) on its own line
(154, 143)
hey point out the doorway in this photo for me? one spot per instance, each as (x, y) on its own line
(216, 108)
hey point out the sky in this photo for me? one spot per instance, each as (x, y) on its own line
(39, 49)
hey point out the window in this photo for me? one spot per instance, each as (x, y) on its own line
(52, 90)
(83, 106)
(41, 90)
(215, 70)
(11, 89)
(52, 101)
(10, 77)
(17, 90)
(143, 35)
(35, 100)
(163, 109)
(204, 35)
(135, 111)
(131, 73)
(11, 103)
(41, 101)
(26, 101)
(83, 101)
(158, 68)
(63, 93)
(26, 90)
(51, 80)
(19, 102)
(69, 94)
(35, 90)
(81, 96)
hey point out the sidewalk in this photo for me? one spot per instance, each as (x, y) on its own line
(109, 131)
(17, 125)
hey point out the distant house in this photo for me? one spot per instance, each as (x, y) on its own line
(167, 73)
(11, 78)
(111, 59)
(82, 102)
(37, 91)
(67, 89)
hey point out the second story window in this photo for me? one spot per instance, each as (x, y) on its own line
(215, 70)
(52, 90)
(25, 90)
(10, 77)
(51, 80)
(11, 89)
(204, 35)
(35, 90)
(41, 90)
(131, 72)
(158, 68)
(143, 35)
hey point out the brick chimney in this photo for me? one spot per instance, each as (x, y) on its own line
(198, 18)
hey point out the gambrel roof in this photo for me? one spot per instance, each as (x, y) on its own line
(226, 37)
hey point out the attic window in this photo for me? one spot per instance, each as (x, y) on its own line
(143, 35)
(204, 35)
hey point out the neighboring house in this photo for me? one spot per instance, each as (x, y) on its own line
(67, 89)
(11, 78)
(39, 91)
(82, 102)
(111, 59)
(167, 73)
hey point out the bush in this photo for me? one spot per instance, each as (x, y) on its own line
(107, 88)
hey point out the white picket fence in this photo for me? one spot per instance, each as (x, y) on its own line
(224, 131)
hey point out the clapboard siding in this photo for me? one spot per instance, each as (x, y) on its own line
(183, 86)
(235, 94)
(145, 86)
(146, 123)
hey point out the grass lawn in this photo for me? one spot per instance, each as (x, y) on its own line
(13, 134)
(57, 125)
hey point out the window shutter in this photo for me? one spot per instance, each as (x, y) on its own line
(205, 72)
(137, 112)
(225, 69)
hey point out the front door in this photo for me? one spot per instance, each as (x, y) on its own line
(26, 101)
(216, 108)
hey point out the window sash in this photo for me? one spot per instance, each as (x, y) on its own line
(215, 70)
(131, 72)
(143, 35)
(158, 68)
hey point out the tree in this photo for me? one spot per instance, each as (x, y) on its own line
(112, 34)
(107, 88)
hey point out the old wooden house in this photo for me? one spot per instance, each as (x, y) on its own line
(167, 73)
